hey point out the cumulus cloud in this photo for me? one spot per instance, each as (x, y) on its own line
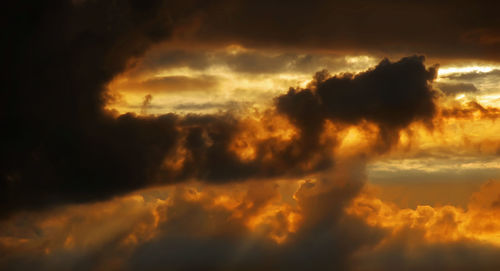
(392, 95)
(437, 238)
(328, 222)
(236, 226)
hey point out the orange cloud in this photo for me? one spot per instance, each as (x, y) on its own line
(480, 221)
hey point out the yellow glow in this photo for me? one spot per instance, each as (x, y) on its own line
(227, 202)
(360, 59)
(439, 224)
(257, 89)
(259, 129)
(235, 49)
(448, 70)
(492, 100)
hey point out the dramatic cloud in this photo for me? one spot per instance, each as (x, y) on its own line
(279, 184)
(392, 95)
(236, 227)
(320, 207)
(63, 147)
(329, 222)
(441, 238)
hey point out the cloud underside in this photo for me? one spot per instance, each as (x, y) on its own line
(380, 28)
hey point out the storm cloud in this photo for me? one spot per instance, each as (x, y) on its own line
(64, 147)
(392, 95)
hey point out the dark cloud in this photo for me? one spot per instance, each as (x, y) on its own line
(208, 139)
(392, 95)
(62, 146)
(452, 89)
(191, 233)
(467, 30)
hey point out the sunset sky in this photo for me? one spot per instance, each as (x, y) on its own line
(250, 135)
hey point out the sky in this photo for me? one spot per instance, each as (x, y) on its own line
(250, 135)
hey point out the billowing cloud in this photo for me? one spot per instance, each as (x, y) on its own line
(328, 222)
(392, 95)
(237, 226)
(65, 148)
(282, 187)
(438, 238)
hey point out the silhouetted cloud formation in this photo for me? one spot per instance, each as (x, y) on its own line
(392, 95)
(63, 146)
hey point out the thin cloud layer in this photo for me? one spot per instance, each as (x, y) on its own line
(454, 89)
